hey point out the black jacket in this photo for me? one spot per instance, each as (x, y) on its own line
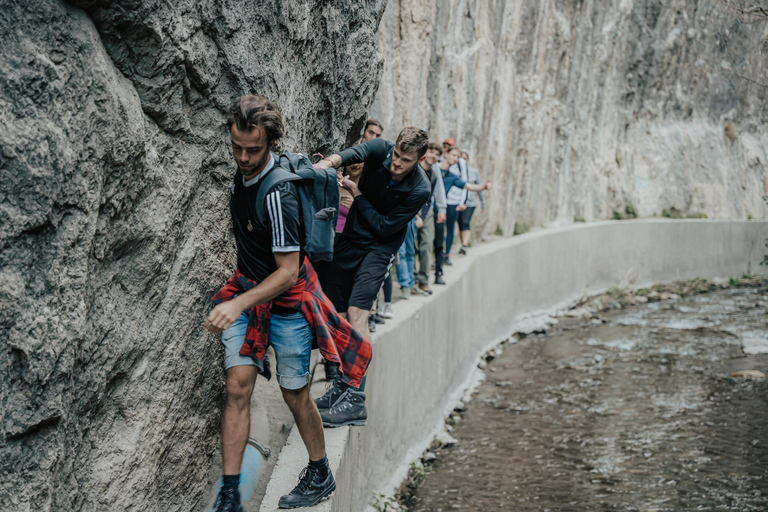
(379, 217)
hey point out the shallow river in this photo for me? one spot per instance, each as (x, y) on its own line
(634, 414)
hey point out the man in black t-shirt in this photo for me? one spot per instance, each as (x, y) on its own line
(268, 253)
(391, 191)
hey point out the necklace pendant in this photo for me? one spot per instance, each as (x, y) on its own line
(250, 226)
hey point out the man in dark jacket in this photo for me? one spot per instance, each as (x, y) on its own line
(391, 191)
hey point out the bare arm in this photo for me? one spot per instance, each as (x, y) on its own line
(279, 281)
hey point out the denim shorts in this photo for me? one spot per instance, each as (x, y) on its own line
(290, 336)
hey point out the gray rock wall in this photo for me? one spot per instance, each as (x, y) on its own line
(580, 108)
(114, 229)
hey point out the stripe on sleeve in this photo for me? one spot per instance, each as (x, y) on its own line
(272, 217)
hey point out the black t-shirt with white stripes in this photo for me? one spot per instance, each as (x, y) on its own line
(256, 246)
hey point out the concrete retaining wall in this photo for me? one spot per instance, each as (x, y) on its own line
(424, 356)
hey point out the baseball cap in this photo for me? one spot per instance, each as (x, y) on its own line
(449, 141)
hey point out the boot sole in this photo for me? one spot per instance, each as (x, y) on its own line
(325, 496)
(348, 423)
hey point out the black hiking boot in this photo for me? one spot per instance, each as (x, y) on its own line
(371, 324)
(332, 393)
(228, 500)
(439, 279)
(349, 409)
(314, 486)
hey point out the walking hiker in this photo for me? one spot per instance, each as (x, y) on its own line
(274, 300)
(432, 215)
(465, 217)
(455, 176)
(391, 190)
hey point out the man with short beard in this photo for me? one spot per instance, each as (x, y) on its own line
(391, 191)
(273, 300)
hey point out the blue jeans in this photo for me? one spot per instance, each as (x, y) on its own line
(406, 274)
(290, 336)
(450, 226)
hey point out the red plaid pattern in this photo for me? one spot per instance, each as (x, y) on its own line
(337, 340)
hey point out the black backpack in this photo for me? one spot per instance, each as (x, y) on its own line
(318, 198)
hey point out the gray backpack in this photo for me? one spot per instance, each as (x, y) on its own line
(318, 199)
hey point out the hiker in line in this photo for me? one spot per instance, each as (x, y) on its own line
(373, 129)
(465, 217)
(432, 215)
(455, 176)
(390, 193)
(274, 299)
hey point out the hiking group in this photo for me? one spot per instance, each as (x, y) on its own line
(315, 245)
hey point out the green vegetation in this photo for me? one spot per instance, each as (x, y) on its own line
(499, 230)
(579, 218)
(628, 213)
(521, 227)
(765, 257)
(383, 503)
(674, 213)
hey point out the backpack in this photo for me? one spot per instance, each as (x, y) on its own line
(318, 199)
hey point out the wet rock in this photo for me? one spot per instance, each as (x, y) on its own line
(445, 439)
(748, 375)
(428, 457)
(754, 345)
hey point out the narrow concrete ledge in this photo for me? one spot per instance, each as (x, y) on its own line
(293, 458)
(425, 357)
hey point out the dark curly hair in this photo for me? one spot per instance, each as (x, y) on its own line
(249, 111)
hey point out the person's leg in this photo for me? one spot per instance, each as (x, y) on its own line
(359, 319)
(241, 376)
(450, 227)
(387, 289)
(424, 238)
(439, 249)
(410, 254)
(291, 337)
(236, 421)
(465, 226)
(402, 265)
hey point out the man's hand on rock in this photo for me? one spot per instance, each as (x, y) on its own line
(222, 316)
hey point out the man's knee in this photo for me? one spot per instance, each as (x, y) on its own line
(240, 386)
(295, 398)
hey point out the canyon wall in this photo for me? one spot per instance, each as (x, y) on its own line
(577, 109)
(115, 170)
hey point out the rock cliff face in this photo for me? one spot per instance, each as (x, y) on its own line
(577, 109)
(114, 229)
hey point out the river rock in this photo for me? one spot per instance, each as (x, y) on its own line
(754, 345)
(748, 375)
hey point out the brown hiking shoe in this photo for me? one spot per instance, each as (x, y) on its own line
(424, 289)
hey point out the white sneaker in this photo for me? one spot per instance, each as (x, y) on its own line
(388, 313)
(406, 293)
